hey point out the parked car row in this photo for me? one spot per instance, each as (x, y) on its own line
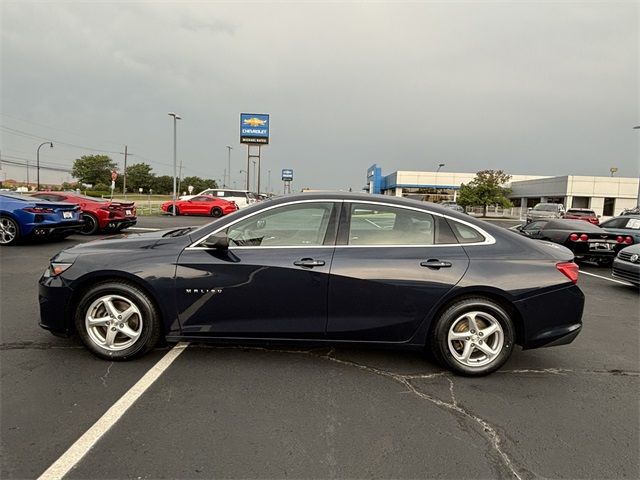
(60, 214)
(615, 242)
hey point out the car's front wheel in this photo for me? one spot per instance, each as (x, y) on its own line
(474, 337)
(116, 320)
(9, 231)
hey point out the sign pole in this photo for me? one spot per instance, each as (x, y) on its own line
(248, 161)
(259, 154)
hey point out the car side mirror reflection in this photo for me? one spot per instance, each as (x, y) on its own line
(219, 241)
(260, 224)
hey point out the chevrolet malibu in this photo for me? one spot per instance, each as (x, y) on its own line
(317, 269)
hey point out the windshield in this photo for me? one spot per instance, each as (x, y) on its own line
(546, 207)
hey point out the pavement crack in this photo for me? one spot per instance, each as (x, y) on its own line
(104, 377)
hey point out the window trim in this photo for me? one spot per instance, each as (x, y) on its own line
(339, 204)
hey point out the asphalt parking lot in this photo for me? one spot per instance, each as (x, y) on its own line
(565, 412)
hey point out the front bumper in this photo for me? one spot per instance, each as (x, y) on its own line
(626, 271)
(54, 297)
(551, 318)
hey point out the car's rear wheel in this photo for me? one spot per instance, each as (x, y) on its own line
(90, 225)
(170, 209)
(9, 231)
(473, 337)
(216, 212)
(117, 320)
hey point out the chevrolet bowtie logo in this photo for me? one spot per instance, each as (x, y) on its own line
(254, 122)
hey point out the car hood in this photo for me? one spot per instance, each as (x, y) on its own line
(130, 241)
(632, 249)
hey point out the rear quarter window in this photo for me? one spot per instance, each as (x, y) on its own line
(465, 234)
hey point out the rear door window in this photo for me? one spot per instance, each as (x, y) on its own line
(383, 225)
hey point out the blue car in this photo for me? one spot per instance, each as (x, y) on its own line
(24, 217)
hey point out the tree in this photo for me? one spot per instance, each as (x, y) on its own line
(139, 176)
(486, 189)
(198, 184)
(162, 185)
(93, 169)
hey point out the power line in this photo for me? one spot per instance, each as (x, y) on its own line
(22, 133)
(49, 127)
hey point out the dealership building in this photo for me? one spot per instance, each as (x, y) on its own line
(607, 196)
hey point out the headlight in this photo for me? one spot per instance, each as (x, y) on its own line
(56, 268)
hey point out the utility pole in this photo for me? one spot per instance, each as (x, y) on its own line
(227, 183)
(124, 175)
(268, 181)
(176, 117)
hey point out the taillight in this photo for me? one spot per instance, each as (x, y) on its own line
(584, 237)
(619, 239)
(570, 270)
(573, 237)
(628, 240)
(38, 210)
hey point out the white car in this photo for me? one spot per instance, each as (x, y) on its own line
(241, 197)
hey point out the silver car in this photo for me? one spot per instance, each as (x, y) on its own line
(546, 211)
(626, 265)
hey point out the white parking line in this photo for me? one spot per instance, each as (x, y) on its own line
(605, 278)
(144, 228)
(81, 447)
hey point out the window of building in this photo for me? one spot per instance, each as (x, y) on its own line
(609, 207)
(580, 202)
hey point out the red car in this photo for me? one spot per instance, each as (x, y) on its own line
(98, 214)
(582, 214)
(201, 205)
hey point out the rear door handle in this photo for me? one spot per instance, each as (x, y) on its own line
(435, 264)
(309, 263)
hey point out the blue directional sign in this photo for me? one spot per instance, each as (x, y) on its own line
(287, 175)
(254, 128)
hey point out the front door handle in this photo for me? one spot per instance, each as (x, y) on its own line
(309, 263)
(435, 264)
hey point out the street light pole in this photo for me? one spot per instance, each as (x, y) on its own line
(176, 117)
(440, 165)
(38, 163)
(254, 174)
(229, 147)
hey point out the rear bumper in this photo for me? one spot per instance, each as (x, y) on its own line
(42, 230)
(552, 318)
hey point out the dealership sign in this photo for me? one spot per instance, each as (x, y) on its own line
(287, 175)
(254, 128)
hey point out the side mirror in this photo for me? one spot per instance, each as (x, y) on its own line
(219, 241)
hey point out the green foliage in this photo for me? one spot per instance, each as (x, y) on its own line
(199, 184)
(139, 176)
(162, 185)
(486, 189)
(93, 169)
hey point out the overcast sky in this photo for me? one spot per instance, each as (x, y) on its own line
(547, 88)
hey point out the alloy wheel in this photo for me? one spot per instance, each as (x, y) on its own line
(8, 231)
(113, 322)
(475, 339)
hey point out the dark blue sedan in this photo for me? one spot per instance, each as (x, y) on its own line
(319, 269)
(23, 217)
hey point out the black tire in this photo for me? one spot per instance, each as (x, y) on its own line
(147, 322)
(439, 342)
(170, 210)
(90, 225)
(216, 212)
(9, 231)
(605, 262)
